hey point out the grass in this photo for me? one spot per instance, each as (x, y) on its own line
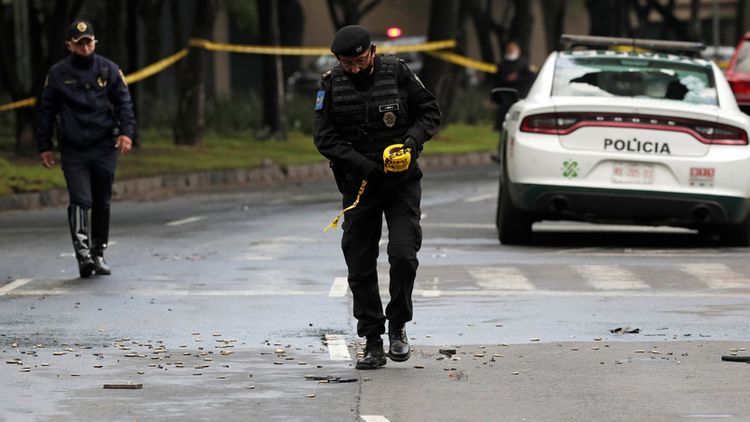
(158, 155)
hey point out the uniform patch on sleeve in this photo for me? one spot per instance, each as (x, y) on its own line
(319, 100)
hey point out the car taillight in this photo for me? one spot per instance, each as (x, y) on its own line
(566, 123)
(547, 123)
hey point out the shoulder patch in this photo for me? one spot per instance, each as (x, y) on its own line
(320, 97)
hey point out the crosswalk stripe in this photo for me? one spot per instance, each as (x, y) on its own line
(500, 278)
(609, 277)
(14, 285)
(339, 287)
(337, 347)
(716, 276)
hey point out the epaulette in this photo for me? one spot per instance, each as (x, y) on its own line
(326, 75)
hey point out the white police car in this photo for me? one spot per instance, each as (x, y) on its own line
(627, 137)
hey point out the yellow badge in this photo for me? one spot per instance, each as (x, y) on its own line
(102, 82)
(389, 119)
(81, 27)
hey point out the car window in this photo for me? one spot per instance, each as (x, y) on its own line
(743, 59)
(636, 77)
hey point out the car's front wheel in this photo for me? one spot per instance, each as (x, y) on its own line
(513, 225)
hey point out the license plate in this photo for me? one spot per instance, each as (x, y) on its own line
(632, 173)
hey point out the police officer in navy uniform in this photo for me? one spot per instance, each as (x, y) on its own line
(365, 104)
(85, 96)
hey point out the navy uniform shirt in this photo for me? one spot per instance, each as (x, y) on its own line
(90, 101)
(424, 113)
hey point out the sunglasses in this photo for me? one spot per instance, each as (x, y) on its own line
(360, 62)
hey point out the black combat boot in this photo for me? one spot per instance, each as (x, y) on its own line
(99, 239)
(78, 220)
(374, 354)
(399, 349)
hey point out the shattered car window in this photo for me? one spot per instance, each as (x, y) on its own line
(636, 77)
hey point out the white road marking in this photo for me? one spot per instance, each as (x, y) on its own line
(249, 292)
(339, 288)
(374, 418)
(480, 198)
(716, 276)
(185, 221)
(417, 292)
(337, 347)
(14, 285)
(609, 277)
(500, 278)
(460, 225)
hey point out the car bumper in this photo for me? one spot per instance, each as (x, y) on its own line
(628, 206)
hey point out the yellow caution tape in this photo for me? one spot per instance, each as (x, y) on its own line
(430, 46)
(259, 49)
(464, 61)
(156, 67)
(28, 102)
(134, 77)
(335, 221)
(312, 51)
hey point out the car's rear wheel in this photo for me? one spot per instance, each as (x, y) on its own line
(513, 225)
(736, 234)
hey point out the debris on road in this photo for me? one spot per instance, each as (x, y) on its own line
(329, 379)
(447, 352)
(745, 359)
(625, 330)
(126, 386)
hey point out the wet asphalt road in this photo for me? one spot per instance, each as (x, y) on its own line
(220, 304)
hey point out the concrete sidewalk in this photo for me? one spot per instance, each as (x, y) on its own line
(162, 186)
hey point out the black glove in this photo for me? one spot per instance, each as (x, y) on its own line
(412, 144)
(371, 171)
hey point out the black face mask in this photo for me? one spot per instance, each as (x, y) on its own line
(81, 61)
(362, 75)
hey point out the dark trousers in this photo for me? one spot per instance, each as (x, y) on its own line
(362, 227)
(89, 175)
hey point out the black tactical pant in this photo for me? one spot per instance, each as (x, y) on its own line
(362, 228)
(89, 175)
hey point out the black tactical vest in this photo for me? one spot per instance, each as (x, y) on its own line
(369, 120)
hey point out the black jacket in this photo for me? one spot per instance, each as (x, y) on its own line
(90, 102)
(423, 109)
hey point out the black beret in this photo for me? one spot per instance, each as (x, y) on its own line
(80, 29)
(351, 41)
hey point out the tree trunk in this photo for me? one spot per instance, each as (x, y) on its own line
(151, 13)
(483, 25)
(739, 20)
(190, 122)
(436, 74)
(292, 24)
(274, 116)
(609, 18)
(520, 29)
(553, 13)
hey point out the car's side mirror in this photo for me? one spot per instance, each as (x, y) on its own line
(504, 96)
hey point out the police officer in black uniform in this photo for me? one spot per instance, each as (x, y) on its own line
(366, 103)
(86, 97)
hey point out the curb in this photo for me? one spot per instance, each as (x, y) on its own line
(154, 187)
